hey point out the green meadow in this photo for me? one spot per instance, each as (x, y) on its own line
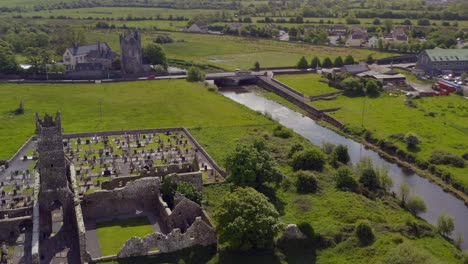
(308, 84)
(440, 122)
(215, 121)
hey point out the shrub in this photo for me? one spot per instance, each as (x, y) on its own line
(295, 148)
(282, 132)
(305, 182)
(307, 229)
(328, 147)
(364, 233)
(309, 159)
(345, 180)
(412, 140)
(445, 225)
(404, 192)
(302, 63)
(369, 179)
(341, 154)
(445, 158)
(195, 75)
(416, 205)
(465, 156)
(189, 191)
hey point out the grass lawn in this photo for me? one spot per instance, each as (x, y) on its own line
(308, 84)
(214, 120)
(113, 234)
(388, 115)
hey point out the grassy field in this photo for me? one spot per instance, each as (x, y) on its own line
(388, 115)
(113, 234)
(308, 84)
(213, 119)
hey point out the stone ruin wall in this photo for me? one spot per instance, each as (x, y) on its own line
(194, 178)
(198, 234)
(10, 228)
(139, 194)
(17, 212)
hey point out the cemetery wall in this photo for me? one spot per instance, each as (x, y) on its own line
(194, 178)
(139, 194)
(10, 227)
(17, 212)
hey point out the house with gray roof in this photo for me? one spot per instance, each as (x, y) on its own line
(99, 55)
(437, 61)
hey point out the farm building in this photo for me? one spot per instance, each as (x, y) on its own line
(437, 61)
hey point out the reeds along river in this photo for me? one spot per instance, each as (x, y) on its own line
(437, 201)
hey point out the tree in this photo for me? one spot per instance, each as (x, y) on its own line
(404, 192)
(338, 62)
(345, 180)
(38, 58)
(445, 225)
(353, 86)
(341, 153)
(309, 159)
(168, 190)
(372, 88)
(7, 58)
(364, 233)
(190, 192)
(416, 205)
(388, 23)
(369, 179)
(248, 220)
(251, 166)
(349, 60)
(257, 66)
(305, 182)
(195, 75)
(57, 68)
(302, 64)
(412, 140)
(376, 21)
(370, 59)
(155, 55)
(327, 63)
(315, 63)
(68, 37)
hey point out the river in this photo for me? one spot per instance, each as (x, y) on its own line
(437, 201)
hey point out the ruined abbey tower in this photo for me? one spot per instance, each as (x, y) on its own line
(131, 58)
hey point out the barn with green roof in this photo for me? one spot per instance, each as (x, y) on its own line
(438, 61)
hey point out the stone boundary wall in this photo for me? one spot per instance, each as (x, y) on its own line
(36, 226)
(324, 96)
(194, 178)
(15, 156)
(18, 212)
(306, 107)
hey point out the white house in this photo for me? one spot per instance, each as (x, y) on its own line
(98, 55)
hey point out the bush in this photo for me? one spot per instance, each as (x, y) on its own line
(305, 182)
(465, 156)
(345, 180)
(328, 147)
(341, 154)
(195, 75)
(364, 233)
(302, 63)
(445, 158)
(295, 148)
(412, 140)
(307, 229)
(190, 192)
(416, 205)
(309, 159)
(445, 225)
(369, 179)
(282, 132)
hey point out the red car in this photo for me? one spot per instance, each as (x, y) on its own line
(151, 77)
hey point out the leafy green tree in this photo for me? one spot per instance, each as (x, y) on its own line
(190, 192)
(388, 23)
(309, 159)
(168, 190)
(445, 225)
(364, 233)
(305, 182)
(38, 58)
(341, 153)
(412, 140)
(404, 192)
(154, 53)
(349, 60)
(302, 64)
(353, 86)
(7, 58)
(68, 37)
(416, 205)
(372, 88)
(370, 59)
(369, 179)
(327, 63)
(252, 167)
(195, 75)
(338, 62)
(315, 62)
(345, 180)
(257, 66)
(248, 220)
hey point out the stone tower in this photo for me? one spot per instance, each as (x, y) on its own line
(131, 58)
(57, 219)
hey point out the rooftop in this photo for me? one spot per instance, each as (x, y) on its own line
(439, 54)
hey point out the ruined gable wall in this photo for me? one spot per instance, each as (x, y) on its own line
(139, 194)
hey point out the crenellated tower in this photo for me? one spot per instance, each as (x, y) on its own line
(131, 52)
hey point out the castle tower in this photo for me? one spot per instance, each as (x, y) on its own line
(131, 57)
